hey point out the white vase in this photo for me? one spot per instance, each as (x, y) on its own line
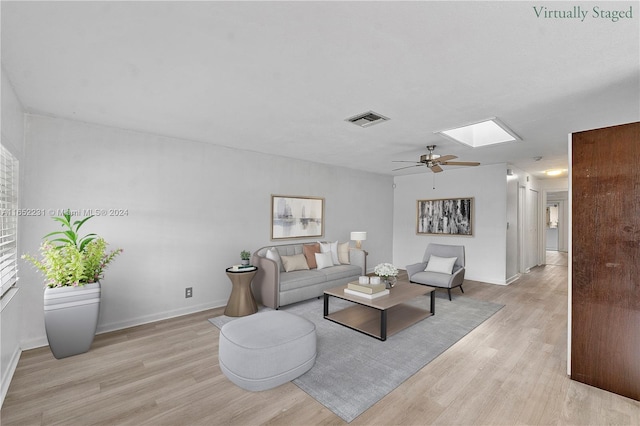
(71, 318)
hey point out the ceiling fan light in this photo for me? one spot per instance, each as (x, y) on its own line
(483, 133)
(556, 172)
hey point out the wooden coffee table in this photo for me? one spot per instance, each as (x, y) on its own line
(384, 316)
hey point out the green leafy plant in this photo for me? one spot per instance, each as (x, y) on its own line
(72, 260)
(70, 235)
(245, 255)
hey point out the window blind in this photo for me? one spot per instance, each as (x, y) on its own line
(8, 220)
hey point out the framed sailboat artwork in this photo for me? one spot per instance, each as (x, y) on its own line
(296, 217)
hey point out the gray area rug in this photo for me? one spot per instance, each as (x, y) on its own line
(353, 371)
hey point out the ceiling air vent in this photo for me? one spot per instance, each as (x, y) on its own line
(367, 119)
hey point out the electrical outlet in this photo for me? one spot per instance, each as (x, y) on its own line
(188, 292)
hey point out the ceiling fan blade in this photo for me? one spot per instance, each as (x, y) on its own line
(460, 163)
(405, 161)
(445, 158)
(401, 168)
(436, 168)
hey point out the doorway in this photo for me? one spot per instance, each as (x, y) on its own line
(556, 222)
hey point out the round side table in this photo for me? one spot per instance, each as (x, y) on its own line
(241, 301)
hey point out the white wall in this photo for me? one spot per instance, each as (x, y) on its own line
(513, 223)
(522, 246)
(12, 138)
(191, 208)
(486, 250)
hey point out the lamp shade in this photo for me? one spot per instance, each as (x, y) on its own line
(358, 236)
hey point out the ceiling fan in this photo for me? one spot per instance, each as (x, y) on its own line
(434, 161)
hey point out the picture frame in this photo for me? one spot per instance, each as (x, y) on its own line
(296, 217)
(445, 216)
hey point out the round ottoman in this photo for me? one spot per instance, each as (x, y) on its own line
(266, 349)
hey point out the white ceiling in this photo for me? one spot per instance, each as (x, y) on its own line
(281, 77)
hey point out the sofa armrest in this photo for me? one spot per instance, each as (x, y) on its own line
(415, 268)
(358, 257)
(266, 283)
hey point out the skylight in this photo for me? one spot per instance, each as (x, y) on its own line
(486, 132)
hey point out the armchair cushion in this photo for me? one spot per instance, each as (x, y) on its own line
(443, 265)
(437, 279)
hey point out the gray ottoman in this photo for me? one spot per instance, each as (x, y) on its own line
(266, 349)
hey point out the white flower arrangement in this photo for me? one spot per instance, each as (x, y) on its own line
(385, 270)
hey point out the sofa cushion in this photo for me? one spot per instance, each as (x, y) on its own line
(343, 253)
(341, 271)
(297, 279)
(444, 265)
(323, 260)
(297, 262)
(310, 251)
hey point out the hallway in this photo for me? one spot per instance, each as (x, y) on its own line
(557, 258)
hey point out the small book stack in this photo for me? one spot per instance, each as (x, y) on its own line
(238, 268)
(369, 291)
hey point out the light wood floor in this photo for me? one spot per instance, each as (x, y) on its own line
(510, 370)
(557, 258)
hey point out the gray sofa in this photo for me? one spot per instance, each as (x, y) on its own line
(273, 287)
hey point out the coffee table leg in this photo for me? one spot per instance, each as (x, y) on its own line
(326, 305)
(433, 302)
(383, 324)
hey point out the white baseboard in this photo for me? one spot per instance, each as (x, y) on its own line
(516, 277)
(486, 280)
(8, 374)
(34, 343)
(132, 322)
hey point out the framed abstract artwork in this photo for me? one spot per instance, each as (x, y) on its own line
(447, 216)
(296, 217)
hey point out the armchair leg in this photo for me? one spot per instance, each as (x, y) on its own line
(449, 291)
(461, 289)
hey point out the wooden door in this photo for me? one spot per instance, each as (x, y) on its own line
(605, 332)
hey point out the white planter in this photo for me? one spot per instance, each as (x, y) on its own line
(71, 318)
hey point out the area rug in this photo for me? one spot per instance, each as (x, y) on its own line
(353, 371)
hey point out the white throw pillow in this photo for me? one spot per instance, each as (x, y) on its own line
(325, 247)
(273, 254)
(343, 253)
(444, 265)
(334, 253)
(331, 248)
(297, 262)
(324, 260)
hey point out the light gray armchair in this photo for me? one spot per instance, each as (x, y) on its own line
(417, 273)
